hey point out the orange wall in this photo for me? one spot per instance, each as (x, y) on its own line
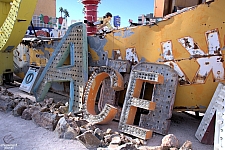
(46, 7)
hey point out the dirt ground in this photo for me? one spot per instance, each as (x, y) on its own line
(19, 134)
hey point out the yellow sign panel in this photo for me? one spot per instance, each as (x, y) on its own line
(13, 26)
(191, 42)
(15, 17)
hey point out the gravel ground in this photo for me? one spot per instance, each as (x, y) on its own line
(19, 134)
(26, 135)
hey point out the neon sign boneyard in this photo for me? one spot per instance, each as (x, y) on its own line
(140, 73)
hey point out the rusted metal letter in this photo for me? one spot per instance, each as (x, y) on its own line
(91, 90)
(132, 101)
(165, 81)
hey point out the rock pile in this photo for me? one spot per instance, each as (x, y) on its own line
(54, 117)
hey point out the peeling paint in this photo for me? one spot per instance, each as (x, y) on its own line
(213, 63)
(181, 76)
(192, 47)
(131, 55)
(168, 56)
(143, 59)
(167, 50)
(117, 34)
(97, 45)
(127, 33)
(116, 55)
(212, 37)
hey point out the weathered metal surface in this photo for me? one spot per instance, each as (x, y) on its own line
(167, 50)
(219, 137)
(205, 131)
(6, 61)
(214, 63)
(163, 95)
(120, 65)
(100, 57)
(116, 55)
(212, 37)
(131, 55)
(192, 47)
(182, 78)
(91, 90)
(21, 60)
(29, 80)
(107, 95)
(74, 43)
(198, 62)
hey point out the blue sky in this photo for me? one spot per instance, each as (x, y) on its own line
(126, 9)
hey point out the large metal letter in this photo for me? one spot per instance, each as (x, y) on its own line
(165, 81)
(91, 90)
(74, 43)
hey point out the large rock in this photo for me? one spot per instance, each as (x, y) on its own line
(186, 146)
(45, 109)
(89, 140)
(99, 133)
(89, 127)
(28, 112)
(6, 105)
(63, 109)
(136, 141)
(81, 123)
(109, 131)
(170, 141)
(67, 128)
(126, 139)
(48, 101)
(46, 120)
(107, 138)
(18, 110)
(116, 140)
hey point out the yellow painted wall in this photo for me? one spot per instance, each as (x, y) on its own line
(147, 42)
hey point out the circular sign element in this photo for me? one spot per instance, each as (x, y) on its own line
(29, 78)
